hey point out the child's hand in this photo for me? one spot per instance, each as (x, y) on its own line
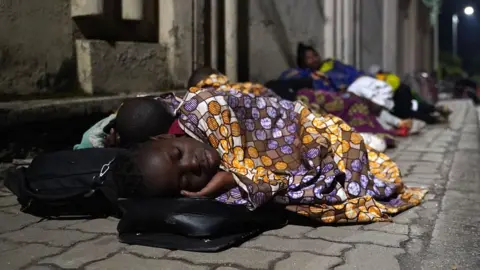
(220, 183)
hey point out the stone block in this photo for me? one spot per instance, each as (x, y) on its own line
(290, 231)
(406, 217)
(128, 261)
(250, 258)
(107, 226)
(148, 252)
(297, 245)
(371, 257)
(414, 246)
(346, 236)
(388, 227)
(22, 256)
(11, 222)
(306, 261)
(8, 201)
(85, 252)
(417, 230)
(433, 157)
(126, 67)
(56, 224)
(57, 238)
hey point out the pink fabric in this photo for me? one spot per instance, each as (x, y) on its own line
(175, 129)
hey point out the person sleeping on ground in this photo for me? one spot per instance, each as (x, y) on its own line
(403, 93)
(362, 114)
(208, 77)
(135, 115)
(262, 149)
(345, 78)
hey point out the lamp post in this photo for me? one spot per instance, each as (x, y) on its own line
(467, 11)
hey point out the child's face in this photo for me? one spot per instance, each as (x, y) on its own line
(174, 164)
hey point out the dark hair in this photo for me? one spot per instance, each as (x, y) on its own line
(127, 177)
(301, 51)
(200, 74)
(138, 119)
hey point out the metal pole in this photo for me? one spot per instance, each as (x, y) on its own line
(454, 34)
(436, 46)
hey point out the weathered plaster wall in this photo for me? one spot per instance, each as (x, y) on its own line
(276, 27)
(35, 40)
(371, 33)
(124, 68)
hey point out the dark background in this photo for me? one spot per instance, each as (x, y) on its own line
(468, 32)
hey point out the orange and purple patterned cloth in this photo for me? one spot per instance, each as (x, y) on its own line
(280, 151)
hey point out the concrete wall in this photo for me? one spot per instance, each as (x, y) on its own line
(125, 68)
(371, 48)
(35, 40)
(275, 28)
(129, 66)
(416, 33)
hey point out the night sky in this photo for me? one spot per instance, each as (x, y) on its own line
(468, 31)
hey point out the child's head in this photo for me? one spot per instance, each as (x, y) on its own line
(169, 164)
(200, 74)
(138, 119)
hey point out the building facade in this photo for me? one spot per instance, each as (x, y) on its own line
(112, 46)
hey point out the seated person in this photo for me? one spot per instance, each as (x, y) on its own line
(263, 149)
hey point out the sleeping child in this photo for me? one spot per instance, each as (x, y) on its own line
(244, 149)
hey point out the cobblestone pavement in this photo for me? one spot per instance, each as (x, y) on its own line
(436, 235)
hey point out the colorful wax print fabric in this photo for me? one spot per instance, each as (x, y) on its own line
(352, 109)
(221, 82)
(279, 150)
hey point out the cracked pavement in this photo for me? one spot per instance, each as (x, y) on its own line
(442, 233)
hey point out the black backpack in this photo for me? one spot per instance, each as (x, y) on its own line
(73, 183)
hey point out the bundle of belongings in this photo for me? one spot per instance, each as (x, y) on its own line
(215, 167)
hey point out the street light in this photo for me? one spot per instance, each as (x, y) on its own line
(467, 11)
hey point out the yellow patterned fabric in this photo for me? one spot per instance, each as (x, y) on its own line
(220, 82)
(279, 150)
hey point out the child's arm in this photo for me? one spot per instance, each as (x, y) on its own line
(220, 183)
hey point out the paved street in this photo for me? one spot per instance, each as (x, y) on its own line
(442, 233)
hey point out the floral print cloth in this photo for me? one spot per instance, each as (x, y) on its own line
(354, 110)
(279, 150)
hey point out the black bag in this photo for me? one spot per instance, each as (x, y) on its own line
(193, 224)
(67, 183)
(287, 89)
